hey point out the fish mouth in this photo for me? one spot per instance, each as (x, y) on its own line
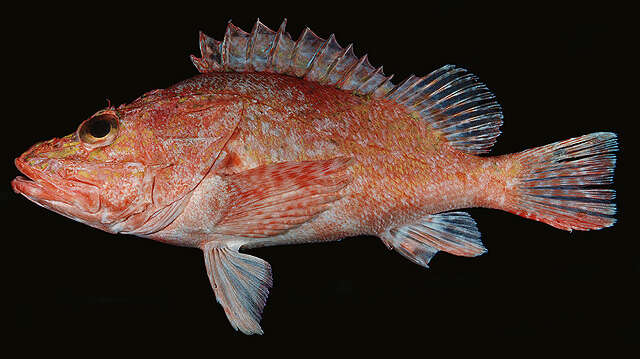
(33, 186)
(54, 193)
(31, 189)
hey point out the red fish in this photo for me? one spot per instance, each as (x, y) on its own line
(279, 141)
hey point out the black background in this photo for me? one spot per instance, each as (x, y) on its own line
(557, 71)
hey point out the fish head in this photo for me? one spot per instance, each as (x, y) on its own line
(91, 175)
(122, 167)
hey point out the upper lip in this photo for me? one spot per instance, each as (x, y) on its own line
(35, 186)
(41, 187)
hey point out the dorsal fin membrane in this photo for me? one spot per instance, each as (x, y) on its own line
(310, 57)
(455, 102)
(450, 99)
(260, 45)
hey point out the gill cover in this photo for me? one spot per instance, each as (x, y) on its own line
(180, 132)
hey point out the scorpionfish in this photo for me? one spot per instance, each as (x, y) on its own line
(279, 141)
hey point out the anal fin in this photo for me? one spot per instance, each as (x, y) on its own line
(453, 232)
(241, 283)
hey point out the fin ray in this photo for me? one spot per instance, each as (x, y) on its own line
(274, 198)
(241, 283)
(561, 183)
(450, 99)
(453, 232)
(261, 45)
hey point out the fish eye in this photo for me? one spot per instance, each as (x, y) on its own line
(99, 127)
(99, 130)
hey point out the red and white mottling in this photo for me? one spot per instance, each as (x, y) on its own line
(401, 169)
(226, 160)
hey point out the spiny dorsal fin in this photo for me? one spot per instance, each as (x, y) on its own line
(450, 99)
(310, 57)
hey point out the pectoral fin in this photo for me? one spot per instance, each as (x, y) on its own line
(271, 199)
(241, 284)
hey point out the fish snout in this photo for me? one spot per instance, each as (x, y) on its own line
(39, 148)
(47, 181)
(29, 186)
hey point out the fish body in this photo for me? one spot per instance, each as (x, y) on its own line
(280, 142)
(397, 164)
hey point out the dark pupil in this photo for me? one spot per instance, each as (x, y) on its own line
(99, 127)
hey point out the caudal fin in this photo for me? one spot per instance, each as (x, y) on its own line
(561, 184)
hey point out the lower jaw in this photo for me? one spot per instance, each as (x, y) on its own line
(31, 189)
(34, 192)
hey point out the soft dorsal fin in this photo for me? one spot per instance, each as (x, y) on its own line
(450, 99)
(454, 101)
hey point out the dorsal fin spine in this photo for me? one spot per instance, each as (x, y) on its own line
(274, 45)
(362, 70)
(282, 52)
(295, 52)
(237, 49)
(392, 94)
(345, 64)
(305, 50)
(350, 72)
(224, 47)
(210, 50)
(250, 44)
(336, 61)
(262, 42)
(321, 50)
(313, 57)
(365, 81)
(381, 90)
(449, 99)
(325, 61)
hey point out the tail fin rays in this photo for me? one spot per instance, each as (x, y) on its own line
(561, 183)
